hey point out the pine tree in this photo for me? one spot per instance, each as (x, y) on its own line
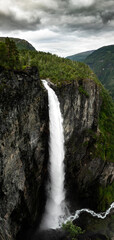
(12, 54)
(3, 54)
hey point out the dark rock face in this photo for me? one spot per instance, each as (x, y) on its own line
(50, 234)
(96, 228)
(23, 151)
(24, 146)
(84, 170)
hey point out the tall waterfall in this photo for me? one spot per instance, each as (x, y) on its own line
(55, 205)
(54, 214)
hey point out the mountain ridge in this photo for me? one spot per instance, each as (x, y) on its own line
(101, 61)
(20, 43)
(80, 56)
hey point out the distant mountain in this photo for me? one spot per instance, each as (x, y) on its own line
(20, 43)
(80, 57)
(101, 62)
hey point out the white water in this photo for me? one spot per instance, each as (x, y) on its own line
(54, 214)
(94, 214)
(55, 205)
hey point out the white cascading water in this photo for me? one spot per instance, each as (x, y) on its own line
(55, 205)
(94, 214)
(54, 215)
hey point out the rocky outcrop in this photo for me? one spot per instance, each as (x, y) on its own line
(24, 146)
(23, 151)
(96, 228)
(85, 170)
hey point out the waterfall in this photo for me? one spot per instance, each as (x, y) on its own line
(55, 205)
(55, 209)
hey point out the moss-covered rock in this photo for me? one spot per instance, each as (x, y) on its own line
(96, 228)
(105, 196)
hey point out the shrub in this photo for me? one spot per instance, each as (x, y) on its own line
(72, 229)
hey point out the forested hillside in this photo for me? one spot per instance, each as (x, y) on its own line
(80, 57)
(63, 71)
(9, 55)
(21, 44)
(101, 62)
(88, 121)
(58, 70)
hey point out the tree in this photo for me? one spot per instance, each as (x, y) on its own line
(12, 54)
(3, 54)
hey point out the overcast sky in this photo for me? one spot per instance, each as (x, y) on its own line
(62, 27)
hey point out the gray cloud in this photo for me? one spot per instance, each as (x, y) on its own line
(61, 15)
(51, 22)
(86, 18)
(9, 22)
(107, 16)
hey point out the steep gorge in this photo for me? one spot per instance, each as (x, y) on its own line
(24, 146)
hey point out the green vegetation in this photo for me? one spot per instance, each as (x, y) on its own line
(9, 55)
(58, 70)
(105, 196)
(72, 230)
(105, 146)
(21, 44)
(101, 62)
(3, 53)
(105, 140)
(98, 226)
(63, 71)
(80, 57)
(82, 91)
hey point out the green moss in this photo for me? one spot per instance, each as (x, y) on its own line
(105, 140)
(83, 91)
(85, 144)
(105, 196)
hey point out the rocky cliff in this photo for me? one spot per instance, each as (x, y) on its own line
(24, 146)
(87, 173)
(23, 149)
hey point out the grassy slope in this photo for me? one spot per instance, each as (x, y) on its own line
(101, 62)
